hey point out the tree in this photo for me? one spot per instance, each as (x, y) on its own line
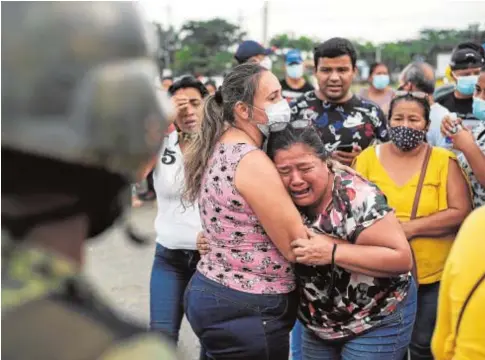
(168, 44)
(204, 46)
(283, 41)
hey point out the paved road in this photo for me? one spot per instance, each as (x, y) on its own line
(121, 272)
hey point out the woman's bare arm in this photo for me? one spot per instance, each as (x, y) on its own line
(381, 250)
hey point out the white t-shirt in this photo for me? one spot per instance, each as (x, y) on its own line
(176, 227)
(436, 115)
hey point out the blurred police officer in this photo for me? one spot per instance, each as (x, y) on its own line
(80, 117)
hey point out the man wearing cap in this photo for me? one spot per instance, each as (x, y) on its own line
(252, 51)
(466, 61)
(294, 84)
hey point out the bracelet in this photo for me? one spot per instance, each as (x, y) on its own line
(333, 255)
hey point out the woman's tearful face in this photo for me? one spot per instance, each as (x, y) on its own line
(304, 174)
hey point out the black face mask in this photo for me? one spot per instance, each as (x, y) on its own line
(405, 138)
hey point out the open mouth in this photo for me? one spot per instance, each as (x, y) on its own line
(300, 193)
(190, 123)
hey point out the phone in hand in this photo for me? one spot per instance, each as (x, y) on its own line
(346, 148)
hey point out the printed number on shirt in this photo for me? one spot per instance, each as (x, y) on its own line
(168, 157)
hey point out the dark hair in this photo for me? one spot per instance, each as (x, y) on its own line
(167, 78)
(333, 48)
(415, 74)
(284, 139)
(188, 82)
(211, 82)
(240, 85)
(374, 66)
(409, 97)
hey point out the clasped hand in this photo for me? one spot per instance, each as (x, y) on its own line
(316, 250)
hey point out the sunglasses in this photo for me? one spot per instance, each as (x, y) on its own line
(297, 124)
(415, 94)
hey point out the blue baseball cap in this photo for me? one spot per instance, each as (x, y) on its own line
(248, 49)
(293, 57)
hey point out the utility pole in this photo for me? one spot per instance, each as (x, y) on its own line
(265, 23)
(378, 53)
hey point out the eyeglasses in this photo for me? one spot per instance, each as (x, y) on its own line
(297, 124)
(415, 94)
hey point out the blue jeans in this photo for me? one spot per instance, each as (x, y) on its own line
(420, 347)
(234, 325)
(295, 341)
(388, 341)
(171, 272)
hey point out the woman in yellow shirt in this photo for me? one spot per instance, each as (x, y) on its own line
(463, 278)
(395, 167)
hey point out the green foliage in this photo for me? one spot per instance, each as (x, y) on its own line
(283, 41)
(429, 43)
(204, 47)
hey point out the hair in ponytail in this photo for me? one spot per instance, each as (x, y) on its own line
(239, 85)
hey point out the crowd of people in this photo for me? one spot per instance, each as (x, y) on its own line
(294, 220)
(348, 250)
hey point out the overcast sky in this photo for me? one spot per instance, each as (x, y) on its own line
(374, 20)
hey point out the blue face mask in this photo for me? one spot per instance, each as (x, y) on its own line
(466, 84)
(294, 71)
(380, 81)
(479, 108)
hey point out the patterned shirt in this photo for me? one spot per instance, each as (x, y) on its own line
(242, 256)
(478, 190)
(354, 302)
(356, 122)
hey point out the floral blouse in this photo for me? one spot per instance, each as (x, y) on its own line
(242, 256)
(478, 189)
(350, 303)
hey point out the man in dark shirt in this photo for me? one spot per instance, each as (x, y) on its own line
(466, 61)
(347, 124)
(294, 84)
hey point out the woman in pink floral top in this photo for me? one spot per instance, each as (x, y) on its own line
(242, 256)
(242, 301)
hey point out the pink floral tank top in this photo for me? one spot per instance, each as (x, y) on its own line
(242, 256)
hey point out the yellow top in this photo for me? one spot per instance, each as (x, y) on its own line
(464, 267)
(430, 253)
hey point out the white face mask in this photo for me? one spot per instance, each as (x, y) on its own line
(276, 113)
(294, 71)
(266, 63)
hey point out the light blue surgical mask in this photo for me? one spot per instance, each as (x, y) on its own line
(294, 71)
(466, 84)
(380, 81)
(479, 108)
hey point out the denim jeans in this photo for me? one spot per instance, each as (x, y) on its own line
(420, 347)
(234, 325)
(388, 341)
(171, 272)
(295, 341)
